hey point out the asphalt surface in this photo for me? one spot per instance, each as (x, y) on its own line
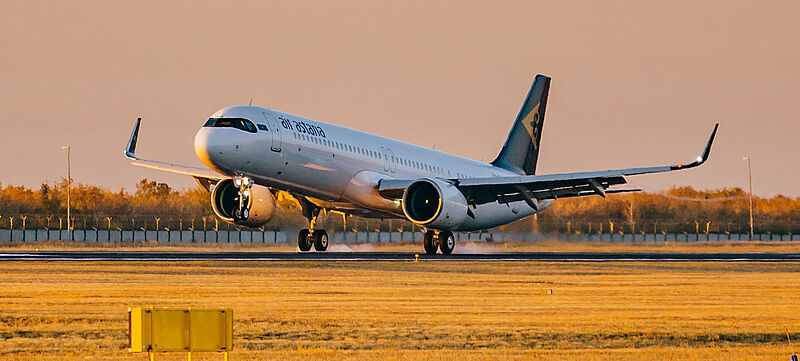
(398, 257)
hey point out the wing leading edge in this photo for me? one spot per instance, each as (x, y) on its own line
(533, 188)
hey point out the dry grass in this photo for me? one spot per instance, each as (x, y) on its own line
(425, 311)
(461, 247)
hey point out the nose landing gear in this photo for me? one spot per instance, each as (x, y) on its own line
(242, 211)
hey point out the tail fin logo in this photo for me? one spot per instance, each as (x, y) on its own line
(531, 123)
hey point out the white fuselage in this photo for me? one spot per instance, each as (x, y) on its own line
(337, 167)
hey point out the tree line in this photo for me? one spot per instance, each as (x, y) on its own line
(153, 205)
(677, 210)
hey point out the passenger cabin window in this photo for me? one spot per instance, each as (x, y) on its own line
(238, 123)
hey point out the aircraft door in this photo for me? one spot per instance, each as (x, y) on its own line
(392, 161)
(385, 159)
(275, 129)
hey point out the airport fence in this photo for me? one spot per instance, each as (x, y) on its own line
(276, 236)
(221, 236)
(174, 222)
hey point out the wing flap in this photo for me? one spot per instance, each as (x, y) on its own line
(540, 190)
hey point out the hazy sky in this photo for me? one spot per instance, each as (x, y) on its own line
(635, 83)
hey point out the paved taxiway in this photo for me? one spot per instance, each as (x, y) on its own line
(397, 257)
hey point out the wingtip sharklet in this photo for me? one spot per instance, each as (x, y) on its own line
(704, 156)
(130, 150)
(707, 151)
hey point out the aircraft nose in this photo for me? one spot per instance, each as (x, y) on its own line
(206, 146)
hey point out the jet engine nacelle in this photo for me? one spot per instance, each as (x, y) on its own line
(434, 203)
(255, 209)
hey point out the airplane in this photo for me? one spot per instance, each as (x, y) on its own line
(254, 153)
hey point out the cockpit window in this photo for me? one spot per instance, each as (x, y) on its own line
(238, 123)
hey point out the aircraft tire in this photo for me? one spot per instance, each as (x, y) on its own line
(430, 242)
(320, 240)
(304, 241)
(447, 242)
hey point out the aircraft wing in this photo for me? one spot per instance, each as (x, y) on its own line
(532, 188)
(202, 175)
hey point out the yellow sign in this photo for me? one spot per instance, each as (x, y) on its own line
(162, 329)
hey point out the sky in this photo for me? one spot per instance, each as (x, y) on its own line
(634, 83)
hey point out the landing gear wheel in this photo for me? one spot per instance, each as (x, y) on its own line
(320, 241)
(304, 241)
(430, 242)
(446, 242)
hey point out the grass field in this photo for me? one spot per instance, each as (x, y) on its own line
(414, 311)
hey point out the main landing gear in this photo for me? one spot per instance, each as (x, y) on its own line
(310, 237)
(317, 238)
(443, 240)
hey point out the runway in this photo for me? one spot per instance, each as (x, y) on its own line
(397, 257)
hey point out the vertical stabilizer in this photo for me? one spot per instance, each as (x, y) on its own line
(521, 150)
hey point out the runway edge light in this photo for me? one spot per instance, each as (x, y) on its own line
(180, 329)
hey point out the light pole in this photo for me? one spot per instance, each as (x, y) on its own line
(69, 181)
(750, 176)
